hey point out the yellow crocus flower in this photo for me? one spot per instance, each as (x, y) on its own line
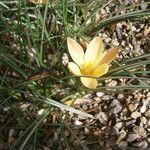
(93, 63)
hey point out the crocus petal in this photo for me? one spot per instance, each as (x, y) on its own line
(94, 50)
(76, 51)
(110, 55)
(89, 82)
(99, 59)
(74, 68)
(69, 102)
(100, 70)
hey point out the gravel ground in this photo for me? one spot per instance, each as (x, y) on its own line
(123, 120)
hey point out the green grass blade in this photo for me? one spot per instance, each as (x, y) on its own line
(62, 106)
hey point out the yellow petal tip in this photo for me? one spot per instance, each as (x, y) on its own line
(90, 83)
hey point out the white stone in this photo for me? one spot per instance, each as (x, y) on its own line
(78, 123)
(143, 108)
(100, 94)
(40, 112)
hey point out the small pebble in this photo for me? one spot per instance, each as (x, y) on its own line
(132, 137)
(123, 144)
(120, 96)
(144, 6)
(95, 105)
(121, 136)
(141, 145)
(40, 112)
(123, 43)
(77, 122)
(148, 129)
(107, 97)
(25, 106)
(115, 42)
(133, 107)
(148, 140)
(107, 40)
(65, 59)
(133, 28)
(103, 11)
(119, 33)
(135, 115)
(139, 131)
(85, 107)
(143, 120)
(112, 83)
(103, 118)
(130, 122)
(148, 94)
(97, 99)
(147, 113)
(119, 125)
(100, 94)
(86, 130)
(143, 109)
(11, 132)
(116, 106)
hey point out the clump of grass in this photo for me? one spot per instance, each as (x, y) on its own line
(32, 42)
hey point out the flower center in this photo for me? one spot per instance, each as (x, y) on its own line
(87, 69)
